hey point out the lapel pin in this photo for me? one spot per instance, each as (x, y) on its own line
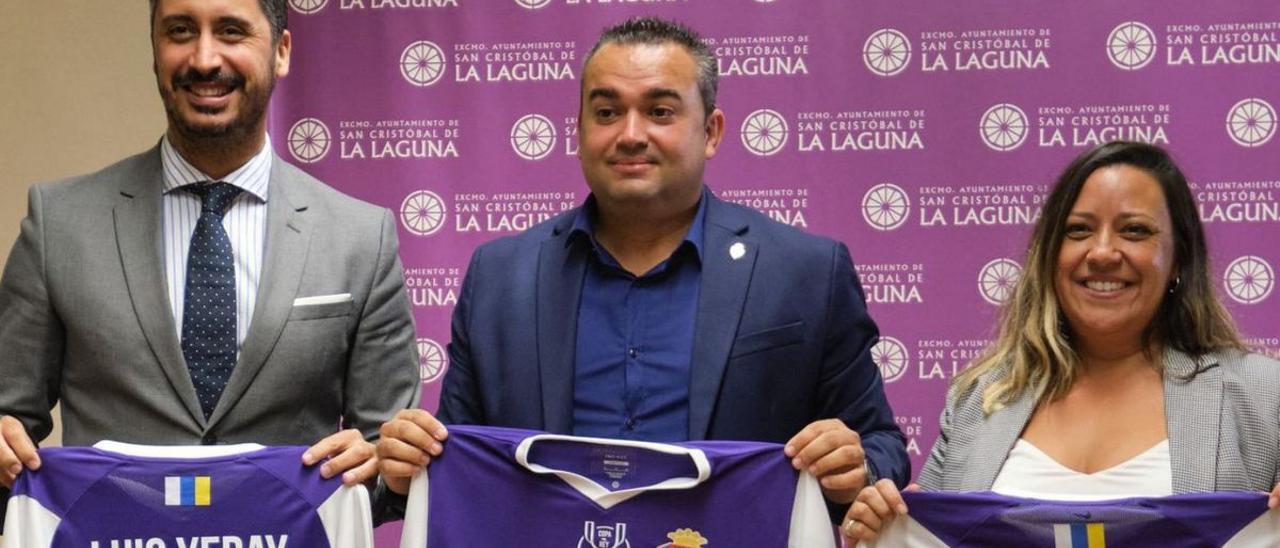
(737, 250)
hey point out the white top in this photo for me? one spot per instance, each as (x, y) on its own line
(1030, 473)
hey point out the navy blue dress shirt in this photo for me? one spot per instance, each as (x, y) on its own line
(635, 339)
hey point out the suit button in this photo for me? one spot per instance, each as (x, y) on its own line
(631, 423)
(209, 439)
(633, 352)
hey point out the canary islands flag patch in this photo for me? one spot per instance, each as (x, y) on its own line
(1079, 535)
(187, 491)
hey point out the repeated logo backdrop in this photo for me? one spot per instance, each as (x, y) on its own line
(923, 135)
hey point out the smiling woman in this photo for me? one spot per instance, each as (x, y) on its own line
(1116, 371)
(1117, 267)
(1116, 261)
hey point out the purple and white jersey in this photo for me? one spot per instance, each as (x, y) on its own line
(115, 495)
(506, 487)
(961, 520)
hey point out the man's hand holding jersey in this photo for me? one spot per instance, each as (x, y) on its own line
(832, 452)
(409, 441)
(17, 451)
(347, 453)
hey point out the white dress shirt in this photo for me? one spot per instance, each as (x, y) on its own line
(245, 222)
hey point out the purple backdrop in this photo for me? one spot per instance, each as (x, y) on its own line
(923, 135)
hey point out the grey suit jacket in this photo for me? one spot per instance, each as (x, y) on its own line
(1223, 424)
(85, 320)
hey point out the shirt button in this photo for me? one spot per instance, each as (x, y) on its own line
(633, 352)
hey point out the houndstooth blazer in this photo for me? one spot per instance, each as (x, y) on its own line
(1223, 423)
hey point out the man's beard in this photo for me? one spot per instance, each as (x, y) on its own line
(246, 122)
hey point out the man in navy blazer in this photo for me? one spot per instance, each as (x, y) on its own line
(656, 311)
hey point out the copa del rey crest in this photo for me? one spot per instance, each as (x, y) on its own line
(601, 536)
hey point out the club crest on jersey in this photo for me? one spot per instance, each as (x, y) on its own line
(1079, 535)
(685, 538)
(187, 491)
(603, 537)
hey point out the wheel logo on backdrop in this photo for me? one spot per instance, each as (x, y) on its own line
(886, 52)
(1004, 127)
(1131, 45)
(432, 360)
(1249, 279)
(309, 140)
(997, 279)
(890, 356)
(885, 206)
(533, 136)
(422, 63)
(307, 7)
(532, 4)
(1251, 122)
(764, 132)
(422, 212)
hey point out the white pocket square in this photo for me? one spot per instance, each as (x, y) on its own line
(322, 299)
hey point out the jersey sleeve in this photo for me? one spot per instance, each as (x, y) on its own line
(414, 534)
(905, 531)
(343, 510)
(1259, 532)
(41, 498)
(346, 518)
(28, 524)
(810, 524)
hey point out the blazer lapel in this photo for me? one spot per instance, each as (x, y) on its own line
(560, 275)
(286, 253)
(1192, 411)
(728, 260)
(994, 440)
(138, 237)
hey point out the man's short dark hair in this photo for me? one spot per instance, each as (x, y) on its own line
(277, 12)
(654, 31)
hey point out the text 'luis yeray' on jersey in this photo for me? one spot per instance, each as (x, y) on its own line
(116, 495)
(983, 520)
(506, 487)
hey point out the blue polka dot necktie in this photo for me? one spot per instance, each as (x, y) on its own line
(209, 309)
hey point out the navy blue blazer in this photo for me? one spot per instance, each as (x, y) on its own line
(782, 337)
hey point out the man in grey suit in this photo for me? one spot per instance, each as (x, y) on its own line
(204, 291)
